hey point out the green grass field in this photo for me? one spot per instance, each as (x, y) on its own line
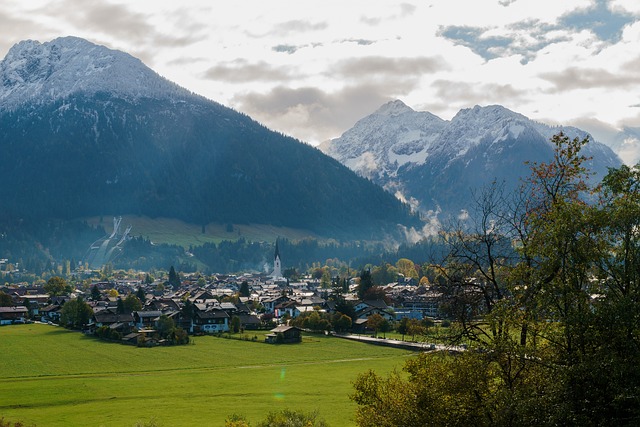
(173, 231)
(53, 377)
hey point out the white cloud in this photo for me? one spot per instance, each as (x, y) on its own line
(311, 69)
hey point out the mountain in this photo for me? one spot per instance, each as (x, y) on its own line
(436, 164)
(627, 144)
(86, 130)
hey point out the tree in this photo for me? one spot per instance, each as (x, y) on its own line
(142, 296)
(244, 289)
(174, 279)
(366, 283)
(56, 286)
(120, 309)
(235, 324)
(342, 322)
(384, 327)
(325, 280)
(132, 303)
(403, 327)
(375, 322)
(165, 326)
(345, 307)
(407, 268)
(537, 285)
(75, 313)
(95, 293)
(5, 300)
(288, 418)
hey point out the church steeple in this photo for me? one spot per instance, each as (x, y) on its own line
(277, 266)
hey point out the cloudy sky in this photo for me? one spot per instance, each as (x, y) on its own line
(311, 69)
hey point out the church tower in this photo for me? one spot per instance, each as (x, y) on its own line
(277, 266)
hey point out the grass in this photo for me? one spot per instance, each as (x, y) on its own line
(54, 377)
(173, 231)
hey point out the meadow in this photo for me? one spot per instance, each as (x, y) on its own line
(50, 376)
(176, 232)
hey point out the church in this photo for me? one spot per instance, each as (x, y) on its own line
(277, 265)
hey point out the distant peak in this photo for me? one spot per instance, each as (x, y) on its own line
(43, 72)
(394, 108)
(495, 111)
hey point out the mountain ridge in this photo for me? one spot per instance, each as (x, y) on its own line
(446, 161)
(76, 144)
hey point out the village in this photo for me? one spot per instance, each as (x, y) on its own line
(131, 310)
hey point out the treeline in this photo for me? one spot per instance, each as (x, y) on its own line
(59, 247)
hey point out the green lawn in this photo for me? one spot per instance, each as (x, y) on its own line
(173, 231)
(54, 377)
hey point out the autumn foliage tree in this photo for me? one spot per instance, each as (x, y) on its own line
(545, 285)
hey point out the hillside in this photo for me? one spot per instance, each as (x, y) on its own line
(87, 131)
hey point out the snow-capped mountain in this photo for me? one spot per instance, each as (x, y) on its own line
(44, 72)
(395, 135)
(85, 130)
(627, 145)
(437, 165)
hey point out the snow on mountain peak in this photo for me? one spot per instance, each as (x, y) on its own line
(43, 72)
(394, 108)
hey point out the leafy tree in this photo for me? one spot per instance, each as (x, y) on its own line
(375, 293)
(235, 324)
(342, 322)
(291, 273)
(384, 327)
(132, 303)
(75, 313)
(313, 320)
(56, 286)
(148, 279)
(325, 280)
(403, 327)
(345, 307)
(5, 300)
(236, 420)
(165, 326)
(375, 322)
(407, 268)
(288, 418)
(537, 286)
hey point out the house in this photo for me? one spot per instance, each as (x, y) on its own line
(9, 315)
(270, 304)
(249, 321)
(51, 313)
(211, 320)
(365, 313)
(359, 326)
(108, 318)
(284, 334)
(146, 319)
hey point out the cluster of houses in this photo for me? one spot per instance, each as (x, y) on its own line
(209, 308)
